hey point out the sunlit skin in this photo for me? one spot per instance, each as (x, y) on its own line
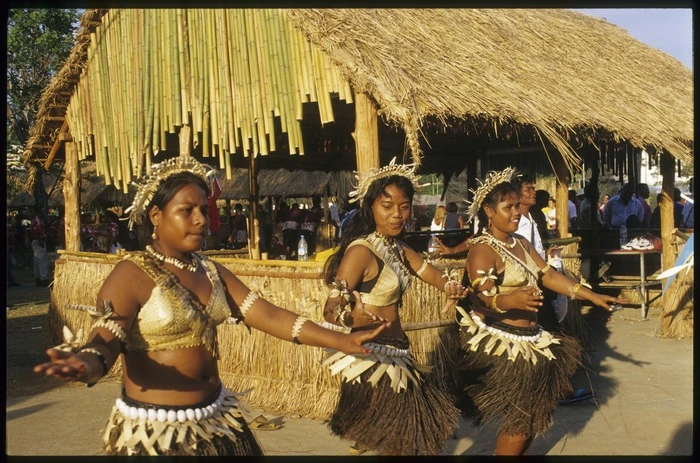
(182, 224)
(188, 375)
(390, 210)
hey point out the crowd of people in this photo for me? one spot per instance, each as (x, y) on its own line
(158, 309)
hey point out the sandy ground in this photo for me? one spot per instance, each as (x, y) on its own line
(644, 406)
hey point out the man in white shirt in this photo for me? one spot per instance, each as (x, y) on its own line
(527, 226)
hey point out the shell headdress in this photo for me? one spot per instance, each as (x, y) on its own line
(364, 181)
(492, 179)
(149, 183)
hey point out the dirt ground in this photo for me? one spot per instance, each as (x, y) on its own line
(644, 404)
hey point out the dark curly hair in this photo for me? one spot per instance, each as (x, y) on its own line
(362, 223)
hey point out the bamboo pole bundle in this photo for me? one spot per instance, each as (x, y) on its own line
(223, 88)
(195, 95)
(157, 80)
(183, 67)
(264, 120)
(232, 139)
(139, 90)
(212, 77)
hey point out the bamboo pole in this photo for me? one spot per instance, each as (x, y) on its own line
(71, 195)
(562, 193)
(366, 133)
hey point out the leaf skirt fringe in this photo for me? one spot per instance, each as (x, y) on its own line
(416, 421)
(223, 433)
(521, 392)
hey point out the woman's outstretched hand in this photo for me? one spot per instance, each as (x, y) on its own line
(353, 341)
(604, 301)
(64, 366)
(455, 291)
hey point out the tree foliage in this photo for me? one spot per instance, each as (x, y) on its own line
(38, 43)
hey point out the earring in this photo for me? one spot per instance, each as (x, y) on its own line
(154, 235)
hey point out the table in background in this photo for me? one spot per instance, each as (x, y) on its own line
(642, 286)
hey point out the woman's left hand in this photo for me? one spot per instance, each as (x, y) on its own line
(352, 342)
(604, 301)
(455, 291)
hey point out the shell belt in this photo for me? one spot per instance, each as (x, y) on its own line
(168, 427)
(397, 364)
(493, 341)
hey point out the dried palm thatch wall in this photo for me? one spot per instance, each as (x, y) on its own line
(279, 376)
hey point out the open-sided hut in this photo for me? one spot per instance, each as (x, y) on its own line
(440, 86)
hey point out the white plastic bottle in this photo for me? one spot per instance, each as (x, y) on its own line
(432, 244)
(302, 249)
(623, 235)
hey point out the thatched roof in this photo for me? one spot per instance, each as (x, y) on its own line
(558, 70)
(568, 76)
(276, 182)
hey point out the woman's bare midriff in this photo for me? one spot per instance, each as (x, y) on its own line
(514, 317)
(177, 377)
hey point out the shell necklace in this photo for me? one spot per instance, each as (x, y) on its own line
(173, 260)
(508, 245)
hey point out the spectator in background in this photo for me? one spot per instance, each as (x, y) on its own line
(601, 209)
(573, 210)
(677, 208)
(655, 221)
(453, 220)
(239, 228)
(621, 207)
(551, 213)
(41, 255)
(308, 227)
(538, 214)
(688, 209)
(277, 249)
(57, 230)
(586, 208)
(642, 195)
(438, 222)
(352, 208)
(290, 230)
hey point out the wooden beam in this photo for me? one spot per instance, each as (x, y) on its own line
(561, 171)
(71, 195)
(366, 134)
(56, 145)
(55, 118)
(41, 147)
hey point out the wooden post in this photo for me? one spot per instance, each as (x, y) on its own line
(185, 143)
(668, 257)
(253, 238)
(71, 197)
(562, 194)
(366, 134)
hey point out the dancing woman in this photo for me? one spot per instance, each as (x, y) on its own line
(387, 401)
(512, 368)
(159, 310)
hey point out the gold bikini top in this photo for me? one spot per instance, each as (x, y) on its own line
(394, 277)
(516, 272)
(172, 318)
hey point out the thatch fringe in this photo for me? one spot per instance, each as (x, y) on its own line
(677, 318)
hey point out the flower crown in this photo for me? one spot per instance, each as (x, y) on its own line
(150, 182)
(364, 181)
(492, 180)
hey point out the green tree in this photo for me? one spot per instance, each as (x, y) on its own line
(38, 43)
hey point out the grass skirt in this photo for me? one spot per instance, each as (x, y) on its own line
(524, 385)
(225, 432)
(413, 420)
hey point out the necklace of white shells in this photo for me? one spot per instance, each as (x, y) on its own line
(502, 243)
(173, 260)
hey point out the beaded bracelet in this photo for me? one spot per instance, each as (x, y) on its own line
(296, 329)
(100, 357)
